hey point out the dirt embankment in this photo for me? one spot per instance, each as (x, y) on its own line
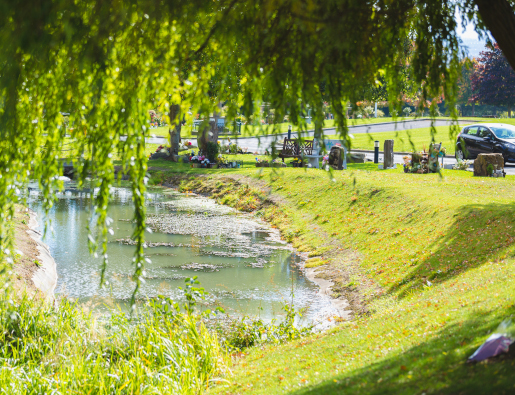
(339, 276)
(34, 268)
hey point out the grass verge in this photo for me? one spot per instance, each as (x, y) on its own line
(428, 261)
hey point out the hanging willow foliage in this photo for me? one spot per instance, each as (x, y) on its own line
(104, 62)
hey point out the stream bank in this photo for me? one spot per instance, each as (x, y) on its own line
(35, 270)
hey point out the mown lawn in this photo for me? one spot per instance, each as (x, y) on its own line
(414, 139)
(436, 267)
(405, 140)
(250, 130)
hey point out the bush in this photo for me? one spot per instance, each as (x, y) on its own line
(462, 164)
(406, 111)
(368, 111)
(212, 151)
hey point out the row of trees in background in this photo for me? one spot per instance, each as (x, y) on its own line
(488, 80)
(486, 86)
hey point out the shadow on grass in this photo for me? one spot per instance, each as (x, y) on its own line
(478, 234)
(438, 365)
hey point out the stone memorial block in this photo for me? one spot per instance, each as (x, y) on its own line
(160, 155)
(175, 137)
(388, 154)
(357, 157)
(483, 160)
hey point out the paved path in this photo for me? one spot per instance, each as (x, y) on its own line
(261, 143)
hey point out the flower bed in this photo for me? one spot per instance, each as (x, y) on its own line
(424, 162)
(262, 163)
(199, 161)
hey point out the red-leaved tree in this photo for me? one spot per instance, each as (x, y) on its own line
(493, 79)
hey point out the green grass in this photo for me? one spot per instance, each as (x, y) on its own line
(413, 139)
(65, 350)
(404, 140)
(433, 260)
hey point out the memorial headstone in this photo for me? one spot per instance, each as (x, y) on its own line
(336, 157)
(208, 133)
(388, 154)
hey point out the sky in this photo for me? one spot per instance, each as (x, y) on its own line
(470, 38)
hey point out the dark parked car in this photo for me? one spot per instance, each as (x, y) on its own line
(486, 138)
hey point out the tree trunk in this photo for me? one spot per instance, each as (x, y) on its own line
(175, 131)
(499, 18)
(509, 112)
(473, 109)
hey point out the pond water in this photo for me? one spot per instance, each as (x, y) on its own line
(239, 260)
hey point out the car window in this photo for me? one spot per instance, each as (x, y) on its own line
(484, 132)
(504, 132)
(472, 131)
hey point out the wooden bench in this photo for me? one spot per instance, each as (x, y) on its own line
(293, 148)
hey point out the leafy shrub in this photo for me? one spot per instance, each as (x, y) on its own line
(406, 111)
(369, 110)
(245, 332)
(233, 148)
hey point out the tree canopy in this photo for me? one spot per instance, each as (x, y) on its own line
(108, 60)
(493, 79)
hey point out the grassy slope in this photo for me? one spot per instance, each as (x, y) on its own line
(405, 140)
(407, 230)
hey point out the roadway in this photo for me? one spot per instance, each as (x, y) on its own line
(261, 143)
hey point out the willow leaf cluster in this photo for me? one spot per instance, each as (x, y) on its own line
(104, 62)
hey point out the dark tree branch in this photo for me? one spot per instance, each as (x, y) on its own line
(499, 17)
(213, 29)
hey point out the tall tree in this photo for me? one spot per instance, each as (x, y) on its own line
(111, 58)
(493, 79)
(465, 93)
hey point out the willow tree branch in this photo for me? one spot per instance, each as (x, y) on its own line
(213, 29)
(499, 17)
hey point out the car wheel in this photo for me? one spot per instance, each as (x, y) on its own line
(459, 154)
